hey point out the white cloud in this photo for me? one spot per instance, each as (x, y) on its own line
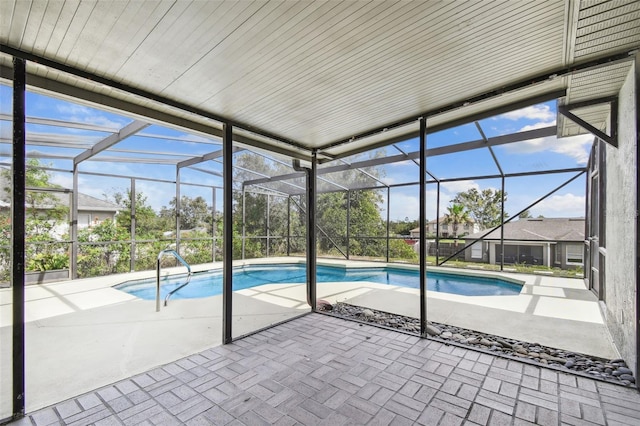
(566, 205)
(460, 186)
(576, 147)
(538, 125)
(408, 205)
(403, 205)
(85, 184)
(535, 112)
(82, 114)
(65, 181)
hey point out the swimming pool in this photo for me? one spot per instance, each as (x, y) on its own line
(210, 283)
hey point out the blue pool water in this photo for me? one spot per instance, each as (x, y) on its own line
(210, 283)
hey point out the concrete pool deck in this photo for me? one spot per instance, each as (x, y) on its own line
(96, 335)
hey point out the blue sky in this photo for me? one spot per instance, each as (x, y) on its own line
(532, 155)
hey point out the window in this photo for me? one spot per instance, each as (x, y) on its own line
(445, 227)
(466, 227)
(558, 254)
(84, 220)
(575, 254)
(476, 251)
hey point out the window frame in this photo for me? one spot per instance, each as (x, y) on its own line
(475, 248)
(572, 255)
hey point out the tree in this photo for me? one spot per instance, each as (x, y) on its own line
(484, 207)
(146, 218)
(403, 227)
(398, 249)
(194, 213)
(367, 225)
(365, 222)
(525, 214)
(103, 259)
(255, 205)
(44, 214)
(455, 216)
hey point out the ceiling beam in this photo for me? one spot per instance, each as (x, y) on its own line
(62, 123)
(450, 149)
(210, 172)
(128, 130)
(201, 159)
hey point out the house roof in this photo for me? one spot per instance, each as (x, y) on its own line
(538, 229)
(88, 203)
(335, 77)
(85, 203)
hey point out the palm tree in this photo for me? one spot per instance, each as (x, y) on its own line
(455, 216)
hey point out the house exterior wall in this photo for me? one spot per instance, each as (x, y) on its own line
(468, 253)
(95, 217)
(621, 191)
(86, 218)
(549, 251)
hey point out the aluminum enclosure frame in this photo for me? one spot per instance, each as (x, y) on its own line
(228, 138)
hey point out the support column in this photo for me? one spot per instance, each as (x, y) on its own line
(348, 222)
(267, 224)
(73, 229)
(244, 218)
(502, 228)
(178, 205)
(289, 225)
(227, 258)
(438, 225)
(132, 262)
(213, 225)
(311, 231)
(422, 225)
(388, 219)
(18, 234)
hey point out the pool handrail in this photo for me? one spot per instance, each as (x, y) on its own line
(181, 260)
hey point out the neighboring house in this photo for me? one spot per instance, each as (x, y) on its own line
(552, 242)
(446, 229)
(91, 211)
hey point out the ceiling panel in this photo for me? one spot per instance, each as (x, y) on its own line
(603, 26)
(316, 72)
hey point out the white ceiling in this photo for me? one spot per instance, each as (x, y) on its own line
(319, 72)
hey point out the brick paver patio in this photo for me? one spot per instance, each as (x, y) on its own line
(324, 370)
